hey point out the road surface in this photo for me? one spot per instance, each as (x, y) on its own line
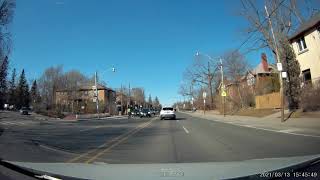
(145, 140)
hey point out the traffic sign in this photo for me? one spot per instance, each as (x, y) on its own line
(223, 94)
(279, 66)
(284, 74)
(204, 95)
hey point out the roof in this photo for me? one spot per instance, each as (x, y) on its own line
(89, 87)
(260, 70)
(312, 22)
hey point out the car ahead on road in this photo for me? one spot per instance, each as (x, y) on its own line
(167, 112)
(25, 110)
(145, 113)
(135, 112)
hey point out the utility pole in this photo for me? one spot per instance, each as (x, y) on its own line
(121, 99)
(204, 95)
(129, 96)
(97, 95)
(222, 87)
(210, 84)
(278, 61)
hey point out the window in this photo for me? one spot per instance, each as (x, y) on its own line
(306, 76)
(302, 44)
(167, 109)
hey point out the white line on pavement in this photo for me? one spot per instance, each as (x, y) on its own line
(186, 130)
(270, 130)
(177, 120)
(277, 131)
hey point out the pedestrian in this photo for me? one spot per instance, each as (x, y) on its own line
(129, 112)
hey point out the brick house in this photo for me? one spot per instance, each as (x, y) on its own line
(261, 80)
(83, 99)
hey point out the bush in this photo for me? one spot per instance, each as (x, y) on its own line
(55, 113)
(310, 99)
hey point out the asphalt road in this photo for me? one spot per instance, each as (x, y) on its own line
(146, 140)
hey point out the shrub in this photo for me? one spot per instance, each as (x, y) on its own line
(310, 99)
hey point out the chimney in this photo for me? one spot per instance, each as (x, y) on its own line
(264, 62)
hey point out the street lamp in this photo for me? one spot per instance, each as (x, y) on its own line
(113, 69)
(209, 75)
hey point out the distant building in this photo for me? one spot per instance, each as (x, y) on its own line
(83, 99)
(262, 80)
(306, 44)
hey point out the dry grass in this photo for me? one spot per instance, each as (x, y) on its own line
(256, 112)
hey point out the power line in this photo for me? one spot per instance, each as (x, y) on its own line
(251, 35)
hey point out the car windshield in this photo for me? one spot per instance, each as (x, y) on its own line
(159, 81)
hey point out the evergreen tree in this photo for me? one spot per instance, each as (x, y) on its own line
(156, 102)
(23, 98)
(292, 85)
(34, 94)
(12, 88)
(3, 81)
(150, 100)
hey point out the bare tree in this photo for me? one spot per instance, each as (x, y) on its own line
(235, 66)
(204, 73)
(7, 8)
(138, 95)
(286, 16)
(49, 82)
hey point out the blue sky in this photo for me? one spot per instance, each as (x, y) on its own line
(150, 43)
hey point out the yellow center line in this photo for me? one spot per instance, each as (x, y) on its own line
(105, 144)
(117, 143)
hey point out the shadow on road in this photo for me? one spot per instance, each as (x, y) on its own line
(181, 118)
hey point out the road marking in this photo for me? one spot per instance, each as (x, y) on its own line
(102, 145)
(108, 143)
(177, 120)
(186, 130)
(271, 130)
(287, 130)
(83, 130)
(117, 143)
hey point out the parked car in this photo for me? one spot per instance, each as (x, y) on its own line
(145, 113)
(153, 112)
(25, 110)
(167, 112)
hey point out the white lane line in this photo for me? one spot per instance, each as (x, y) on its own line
(186, 130)
(177, 120)
(287, 130)
(264, 129)
(82, 130)
(8, 123)
(279, 131)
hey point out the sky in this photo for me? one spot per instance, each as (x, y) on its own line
(150, 43)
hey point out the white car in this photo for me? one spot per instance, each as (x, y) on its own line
(167, 112)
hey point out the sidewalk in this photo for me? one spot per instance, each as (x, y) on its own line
(296, 126)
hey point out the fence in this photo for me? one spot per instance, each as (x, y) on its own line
(268, 101)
